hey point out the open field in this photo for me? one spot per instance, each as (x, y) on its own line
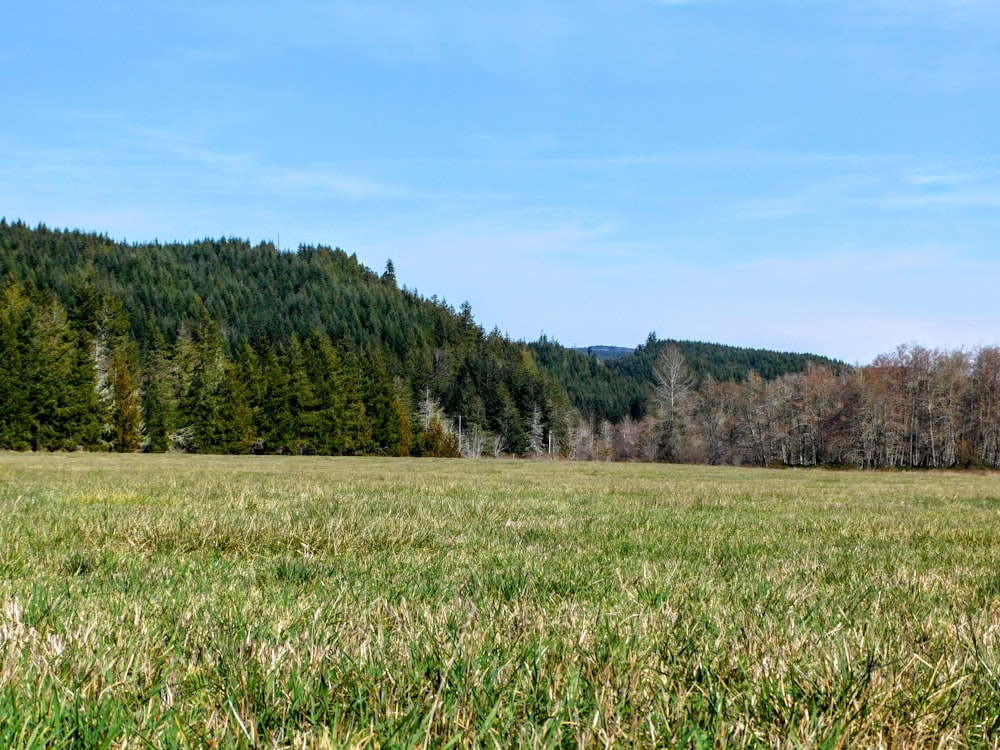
(279, 602)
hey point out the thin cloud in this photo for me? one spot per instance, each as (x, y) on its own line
(168, 148)
(331, 181)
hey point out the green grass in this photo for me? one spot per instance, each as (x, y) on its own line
(179, 601)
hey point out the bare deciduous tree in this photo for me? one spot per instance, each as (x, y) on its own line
(536, 433)
(475, 439)
(498, 444)
(672, 383)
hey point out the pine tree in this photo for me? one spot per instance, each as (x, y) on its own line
(274, 417)
(159, 399)
(381, 406)
(235, 432)
(125, 421)
(15, 403)
(62, 383)
(302, 402)
(356, 426)
(325, 374)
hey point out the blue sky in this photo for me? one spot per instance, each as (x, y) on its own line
(807, 175)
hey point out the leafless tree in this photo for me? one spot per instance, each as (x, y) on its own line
(498, 444)
(672, 384)
(475, 439)
(536, 433)
(428, 409)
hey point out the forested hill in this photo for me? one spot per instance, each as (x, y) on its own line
(236, 347)
(612, 387)
(220, 345)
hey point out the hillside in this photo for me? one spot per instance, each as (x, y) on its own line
(292, 346)
(225, 346)
(611, 382)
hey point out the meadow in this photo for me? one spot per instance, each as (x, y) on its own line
(197, 601)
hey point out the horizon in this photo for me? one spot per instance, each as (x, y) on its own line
(433, 297)
(798, 177)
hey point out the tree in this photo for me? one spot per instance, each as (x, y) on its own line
(236, 432)
(498, 444)
(389, 275)
(983, 441)
(440, 442)
(159, 396)
(62, 381)
(302, 402)
(15, 401)
(672, 383)
(125, 423)
(356, 423)
(476, 439)
(536, 433)
(116, 361)
(382, 406)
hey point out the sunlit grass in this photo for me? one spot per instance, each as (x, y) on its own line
(278, 602)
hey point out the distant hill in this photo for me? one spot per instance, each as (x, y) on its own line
(605, 352)
(610, 382)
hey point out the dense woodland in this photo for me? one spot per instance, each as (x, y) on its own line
(222, 346)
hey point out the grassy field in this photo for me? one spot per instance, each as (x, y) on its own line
(165, 601)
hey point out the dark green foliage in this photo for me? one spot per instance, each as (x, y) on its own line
(15, 334)
(381, 403)
(722, 363)
(125, 423)
(598, 390)
(227, 347)
(159, 406)
(48, 381)
(438, 442)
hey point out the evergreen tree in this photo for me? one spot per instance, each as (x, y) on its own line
(274, 417)
(439, 442)
(15, 398)
(62, 383)
(125, 418)
(159, 400)
(382, 407)
(326, 375)
(355, 423)
(236, 432)
(302, 402)
(201, 364)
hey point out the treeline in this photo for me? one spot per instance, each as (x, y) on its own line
(914, 408)
(213, 331)
(69, 381)
(221, 346)
(619, 387)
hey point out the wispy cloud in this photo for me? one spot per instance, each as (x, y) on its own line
(165, 149)
(296, 181)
